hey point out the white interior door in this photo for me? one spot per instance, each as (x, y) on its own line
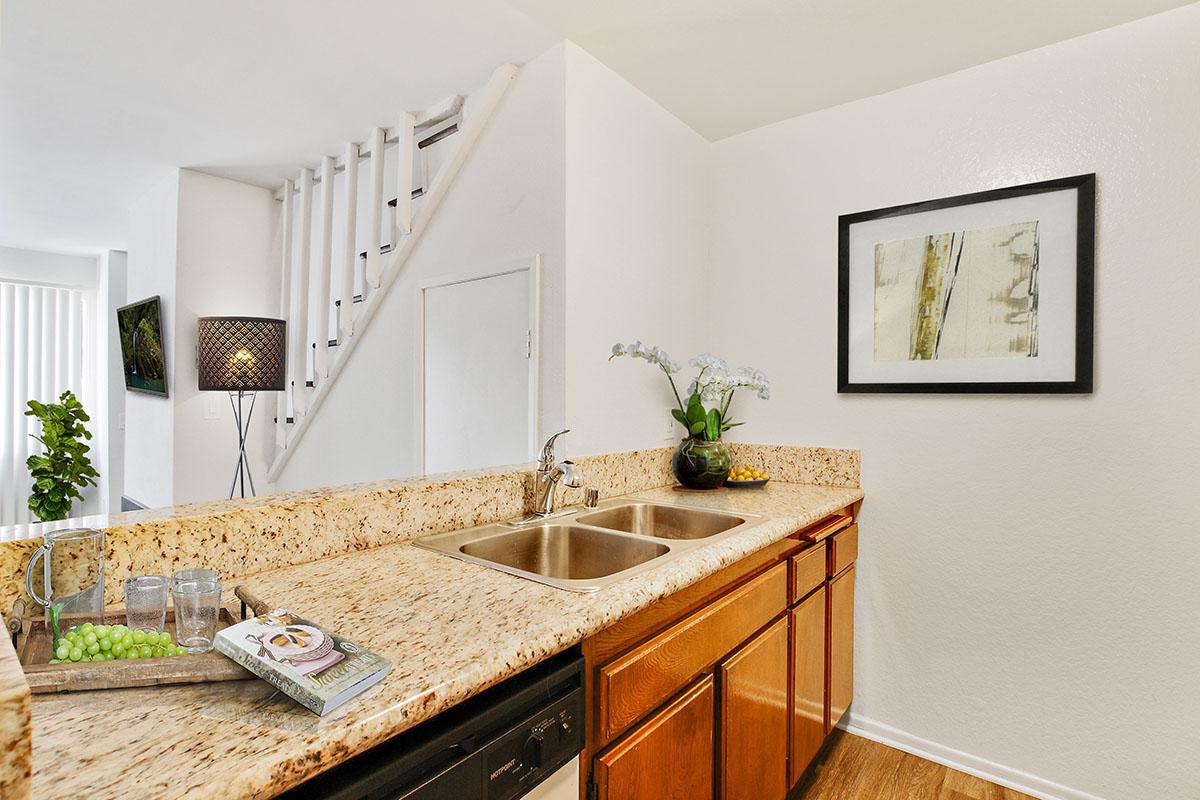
(479, 373)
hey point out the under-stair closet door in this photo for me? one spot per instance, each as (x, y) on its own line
(480, 389)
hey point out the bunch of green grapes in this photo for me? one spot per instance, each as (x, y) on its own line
(88, 642)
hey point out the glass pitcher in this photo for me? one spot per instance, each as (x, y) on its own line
(72, 576)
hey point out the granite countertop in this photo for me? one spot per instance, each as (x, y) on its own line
(450, 629)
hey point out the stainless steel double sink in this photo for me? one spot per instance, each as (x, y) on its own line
(590, 548)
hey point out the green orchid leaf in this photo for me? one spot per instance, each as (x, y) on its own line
(697, 428)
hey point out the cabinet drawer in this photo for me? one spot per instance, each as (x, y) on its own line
(808, 571)
(825, 528)
(843, 550)
(639, 681)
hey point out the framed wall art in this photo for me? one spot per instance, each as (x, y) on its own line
(981, 293)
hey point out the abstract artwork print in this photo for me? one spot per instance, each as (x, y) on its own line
(961, 294)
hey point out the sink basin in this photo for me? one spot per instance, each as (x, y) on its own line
(564, 552)
(561, 554)
(662, 522)
(584, 550)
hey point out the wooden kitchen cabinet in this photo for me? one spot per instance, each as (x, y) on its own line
(669, 756)
(726, 689)
(640, 680)
(841, 645)
(754, 718)
(807, 656)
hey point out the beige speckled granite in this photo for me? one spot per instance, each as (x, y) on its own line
(450, 628)
(822, 466)
(15, 752)
(244, 537)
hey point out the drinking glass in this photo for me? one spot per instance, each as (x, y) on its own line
(197, 604)
(146, 602)
(194, 574)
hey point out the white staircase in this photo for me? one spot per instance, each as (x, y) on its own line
(374, 266)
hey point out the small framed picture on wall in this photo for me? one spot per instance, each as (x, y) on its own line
(988, 292)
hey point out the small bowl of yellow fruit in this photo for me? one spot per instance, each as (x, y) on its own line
(746, 478)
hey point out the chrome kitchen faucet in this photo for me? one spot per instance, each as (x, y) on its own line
(548, 476)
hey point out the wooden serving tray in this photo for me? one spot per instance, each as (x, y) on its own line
(33, 646)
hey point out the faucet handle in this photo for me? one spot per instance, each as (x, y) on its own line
(547, 460)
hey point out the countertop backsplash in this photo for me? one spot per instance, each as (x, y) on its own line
(248, 536)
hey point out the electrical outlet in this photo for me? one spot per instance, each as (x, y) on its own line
(669, 430)
(121, 421)
(211, 409)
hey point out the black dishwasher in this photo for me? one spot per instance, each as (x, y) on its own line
(497, 745)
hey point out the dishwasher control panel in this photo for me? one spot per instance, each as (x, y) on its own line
(520, 758)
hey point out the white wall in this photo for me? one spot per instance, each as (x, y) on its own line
(505, 205)
(207, 246)
(636, 198)
(226, 265)
(109, 415)
(150, 419)
(35, 266)
(1027, 588)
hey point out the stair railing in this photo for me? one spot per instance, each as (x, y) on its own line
(308, 311)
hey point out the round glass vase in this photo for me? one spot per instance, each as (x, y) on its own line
(698, 464)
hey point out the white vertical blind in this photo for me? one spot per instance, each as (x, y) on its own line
(42, 347)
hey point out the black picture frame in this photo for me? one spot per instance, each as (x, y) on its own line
(1085, 187)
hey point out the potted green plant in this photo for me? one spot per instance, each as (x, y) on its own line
(701, 461)
(63, 467)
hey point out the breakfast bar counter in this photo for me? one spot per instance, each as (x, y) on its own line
(450, 629)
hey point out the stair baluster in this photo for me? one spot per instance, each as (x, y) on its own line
(375, 214)
(404, 176)
(285, 281)
(323, 297)
(346, 306)
(299, 320)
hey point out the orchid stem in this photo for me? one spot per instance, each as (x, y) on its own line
(675, 391)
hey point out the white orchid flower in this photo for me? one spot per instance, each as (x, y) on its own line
(710, 362)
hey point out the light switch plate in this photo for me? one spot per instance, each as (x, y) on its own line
(212, 409)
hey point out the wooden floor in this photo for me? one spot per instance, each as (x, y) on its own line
(853, 768)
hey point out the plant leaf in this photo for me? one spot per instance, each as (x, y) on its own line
(713, 424)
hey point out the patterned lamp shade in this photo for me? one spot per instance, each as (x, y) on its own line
(247, 354)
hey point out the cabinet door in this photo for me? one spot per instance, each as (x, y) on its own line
(808, 683)
(754, 718)
(841, 645)
(667, 757)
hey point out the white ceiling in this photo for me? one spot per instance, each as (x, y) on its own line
(728, 66)
(99, 100)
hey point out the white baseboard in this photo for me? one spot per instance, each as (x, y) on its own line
(963, 762)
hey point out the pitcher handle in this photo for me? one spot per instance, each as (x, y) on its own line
(38, 554)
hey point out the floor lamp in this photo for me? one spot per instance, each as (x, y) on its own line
(242, 356)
